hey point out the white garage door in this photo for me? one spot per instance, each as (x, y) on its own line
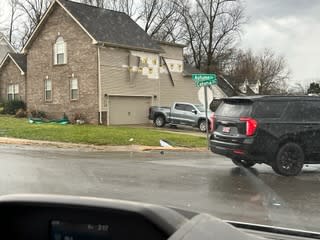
(129, 110)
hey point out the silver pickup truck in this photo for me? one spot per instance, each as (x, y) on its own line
(180, 114)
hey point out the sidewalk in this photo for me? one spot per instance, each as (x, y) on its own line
(88, 147)
(184, 130)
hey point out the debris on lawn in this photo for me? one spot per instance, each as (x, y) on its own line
(62, 121)
(79, 121)
(164, 143)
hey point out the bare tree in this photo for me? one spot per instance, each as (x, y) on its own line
(212, 27)
(96, 3)
(160, 19)
(33, 10)
(13, 17)
(127, 6)
(297, 89)
(271, 70)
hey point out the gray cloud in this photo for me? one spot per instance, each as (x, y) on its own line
(289, 27)
(280, 8)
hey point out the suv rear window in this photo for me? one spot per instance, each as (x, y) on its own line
(269, 109)
(234, 109)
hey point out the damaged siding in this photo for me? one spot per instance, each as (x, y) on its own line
(119, 78)
(184, 89)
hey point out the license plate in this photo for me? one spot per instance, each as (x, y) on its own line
(226, 129)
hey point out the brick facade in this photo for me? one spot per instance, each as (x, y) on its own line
(10, 74)
(82, 64)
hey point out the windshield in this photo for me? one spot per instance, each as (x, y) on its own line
(234, 109)
(101, 103)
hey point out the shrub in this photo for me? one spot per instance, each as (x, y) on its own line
(11, 107)
(38, 114)
(78, 118)
(21, 113)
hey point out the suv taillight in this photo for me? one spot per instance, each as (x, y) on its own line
(212, 119)
(251, 125)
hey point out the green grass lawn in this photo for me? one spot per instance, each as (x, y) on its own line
(92, 134)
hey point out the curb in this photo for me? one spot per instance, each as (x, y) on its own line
(91, 147)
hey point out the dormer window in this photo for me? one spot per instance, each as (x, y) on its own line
(60, 51)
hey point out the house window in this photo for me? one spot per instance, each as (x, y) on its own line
(13, 92)
(74, 89)
(60, 51)
(48, 90)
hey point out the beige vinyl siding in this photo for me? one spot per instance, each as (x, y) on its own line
(115, 77)
(172, 52)
(127, 99)
(183, 91)
(114, 57)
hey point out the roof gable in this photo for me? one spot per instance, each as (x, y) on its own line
(104, 26)
(20, 60)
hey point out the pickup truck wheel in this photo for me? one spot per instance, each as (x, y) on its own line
(243, 163)
(159, 121)
(202, 126)
(289, 160)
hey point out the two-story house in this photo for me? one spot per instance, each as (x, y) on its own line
(99, 63)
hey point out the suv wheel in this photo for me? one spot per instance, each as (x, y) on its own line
(289, 160)
(159, 121)
(243, 163)
(203, 126)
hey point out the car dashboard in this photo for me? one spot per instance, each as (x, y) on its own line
(52, 217)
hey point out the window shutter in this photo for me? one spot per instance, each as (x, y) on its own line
(65, 53)
(55, 51)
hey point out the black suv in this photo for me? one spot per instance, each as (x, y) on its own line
(281, 131)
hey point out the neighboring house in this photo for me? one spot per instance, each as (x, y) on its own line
(100, 64)
(13, 77)
(250, 87)
(5, 47)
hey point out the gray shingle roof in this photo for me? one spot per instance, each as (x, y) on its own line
(21, 60)
(111, 27)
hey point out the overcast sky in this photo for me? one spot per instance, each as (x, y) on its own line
(290, 28)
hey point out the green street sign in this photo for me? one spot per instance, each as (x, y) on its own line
(204, 79)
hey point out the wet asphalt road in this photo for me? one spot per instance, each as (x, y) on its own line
(194, 181)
